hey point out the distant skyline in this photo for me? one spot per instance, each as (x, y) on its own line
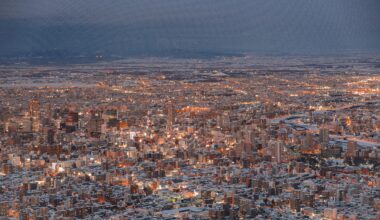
(185, 27)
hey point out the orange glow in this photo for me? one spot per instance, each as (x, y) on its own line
(194, 109)
(125, 183)
(371, 183)
(123, 125)
(13, 213)
(101, 199)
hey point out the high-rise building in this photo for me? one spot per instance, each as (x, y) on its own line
(308, 142)
(94, 126)
(351, 148)
(34, 108)
(324, 136)
(34, 112)
(170, 115)
(71, 121)
(276, 148)
(50, 136)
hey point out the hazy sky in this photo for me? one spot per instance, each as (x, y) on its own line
(125, 27)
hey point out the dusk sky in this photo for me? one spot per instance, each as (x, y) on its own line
(123, 27)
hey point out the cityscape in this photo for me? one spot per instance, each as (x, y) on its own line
(190, 110)
(250, 137)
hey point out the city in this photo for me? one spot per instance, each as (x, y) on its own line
(249, 137)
